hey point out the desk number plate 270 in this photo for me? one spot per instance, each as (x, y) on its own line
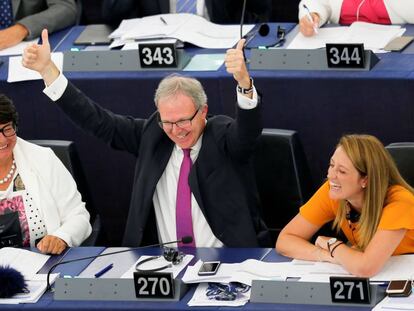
(154, 285)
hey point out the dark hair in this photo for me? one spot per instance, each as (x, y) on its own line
(8, 111)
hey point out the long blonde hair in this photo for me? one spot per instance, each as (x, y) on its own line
(372, 160)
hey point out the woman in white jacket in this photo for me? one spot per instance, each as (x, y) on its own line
(37, 193)
(346, 12)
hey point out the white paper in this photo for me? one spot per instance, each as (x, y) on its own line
(18, 48)
(19, 73)
(159, 262)
(183, 26)
(24, 261)
(205, 62)
(396, 268)
(396, 303)
(200, 298)
(244, 272)
(373, 36)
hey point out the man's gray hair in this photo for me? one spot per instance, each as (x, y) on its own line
(175, 84)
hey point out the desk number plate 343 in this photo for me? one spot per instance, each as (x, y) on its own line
(157, 55)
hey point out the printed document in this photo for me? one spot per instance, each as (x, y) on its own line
(182, 26)
(373, 36)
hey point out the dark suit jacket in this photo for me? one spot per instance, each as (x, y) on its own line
(38, 14)
(220, 11)
(221, 178)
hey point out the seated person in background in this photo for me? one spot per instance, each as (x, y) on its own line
(38, 190)
(215, 202)
(25, 19)
(217, 11)
(367, 199)
(345, 12)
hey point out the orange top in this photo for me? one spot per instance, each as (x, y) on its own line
(398, 213)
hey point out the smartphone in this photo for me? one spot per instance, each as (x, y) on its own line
(209, 268)
(399, 288)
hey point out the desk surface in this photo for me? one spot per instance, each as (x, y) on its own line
(320, 105)
(224, 254)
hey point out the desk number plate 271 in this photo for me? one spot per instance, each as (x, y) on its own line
(350, 290)
(157, 55)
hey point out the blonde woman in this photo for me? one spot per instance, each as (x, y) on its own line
(367, 199)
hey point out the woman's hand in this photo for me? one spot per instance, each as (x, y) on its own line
(307, 28)
(51, 245)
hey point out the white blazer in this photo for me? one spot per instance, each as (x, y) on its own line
(54, 192)
(399, 11)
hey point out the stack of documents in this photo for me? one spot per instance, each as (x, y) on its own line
(27, 263)
(396, 268)
(182, 26)
(395, 303)
(374, 37)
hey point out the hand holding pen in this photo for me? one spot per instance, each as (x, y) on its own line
(309, 23)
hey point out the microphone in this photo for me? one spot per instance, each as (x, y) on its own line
(264, 30)
(12, 282)
(184, 240)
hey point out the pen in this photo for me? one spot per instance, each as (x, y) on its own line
(163, 20)
(104, 270)
(308, 14)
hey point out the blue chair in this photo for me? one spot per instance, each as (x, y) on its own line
(403, 155)
(282, 177)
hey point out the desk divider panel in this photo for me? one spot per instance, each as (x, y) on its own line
(107, 289)
(113, 61)
(308, 293)
(283, 59)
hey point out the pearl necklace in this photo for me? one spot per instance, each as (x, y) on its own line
(9, 174)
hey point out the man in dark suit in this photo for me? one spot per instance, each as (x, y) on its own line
(29, 17)
(222, 201)
(218, 11)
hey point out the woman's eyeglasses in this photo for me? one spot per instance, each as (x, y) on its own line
(8, 130)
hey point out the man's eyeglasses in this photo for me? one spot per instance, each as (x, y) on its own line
(182, 124)
(8, 130)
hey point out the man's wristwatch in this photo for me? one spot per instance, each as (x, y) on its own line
(246, 91)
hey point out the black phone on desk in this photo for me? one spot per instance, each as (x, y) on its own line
(209, 268)
(399, 288)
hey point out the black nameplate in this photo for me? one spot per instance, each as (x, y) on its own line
(345, 55)
(157, 55)
(154, 285)
(350, 290)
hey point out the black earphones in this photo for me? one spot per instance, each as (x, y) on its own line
(170, 254)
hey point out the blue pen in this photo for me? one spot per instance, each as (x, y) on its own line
(104, 270)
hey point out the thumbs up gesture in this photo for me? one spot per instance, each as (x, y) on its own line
(236, 65)
(38, 57)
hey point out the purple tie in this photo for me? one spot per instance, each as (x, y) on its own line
(184, 220)
(6, 14)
